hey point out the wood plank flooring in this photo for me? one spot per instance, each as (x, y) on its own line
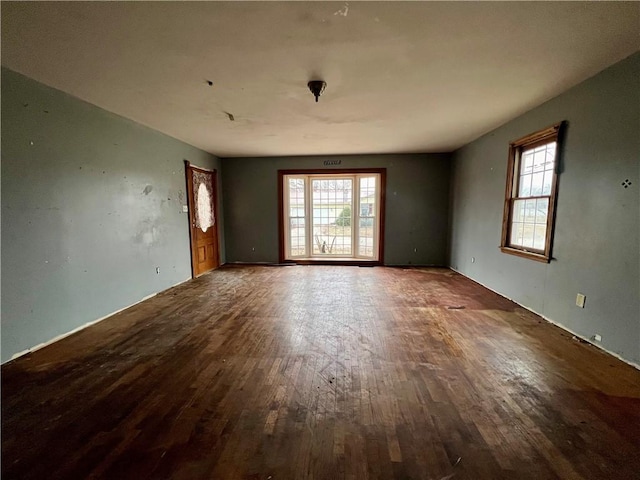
(321, 372)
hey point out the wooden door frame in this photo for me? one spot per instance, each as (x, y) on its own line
(332, 171)
(192, 236)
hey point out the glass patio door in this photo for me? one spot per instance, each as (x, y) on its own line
(331, 216)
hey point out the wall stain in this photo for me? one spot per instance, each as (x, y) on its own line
(148, 233)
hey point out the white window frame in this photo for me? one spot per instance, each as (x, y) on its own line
(355, 216)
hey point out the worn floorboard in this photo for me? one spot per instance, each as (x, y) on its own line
(321, 372)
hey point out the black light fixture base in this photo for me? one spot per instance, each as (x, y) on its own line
(317, 87)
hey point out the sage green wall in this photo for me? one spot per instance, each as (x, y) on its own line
(596, 250)
(91, 205)
(416, 205)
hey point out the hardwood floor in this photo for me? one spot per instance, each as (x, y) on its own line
(322, 372)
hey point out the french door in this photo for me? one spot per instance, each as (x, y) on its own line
(332, 216)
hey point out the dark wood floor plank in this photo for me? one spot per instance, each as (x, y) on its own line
(323, 372)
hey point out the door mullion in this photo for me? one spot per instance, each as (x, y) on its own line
(355, 214)
(308, 215)
(286, 206)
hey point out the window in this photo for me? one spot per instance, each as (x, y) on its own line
(530, 198)
(328, 216)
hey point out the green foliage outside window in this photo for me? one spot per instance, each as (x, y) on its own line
(344, 219)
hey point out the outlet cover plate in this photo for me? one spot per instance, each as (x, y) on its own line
(580, 299)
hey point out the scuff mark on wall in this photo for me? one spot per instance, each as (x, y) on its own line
(147, 190)
(344, 11)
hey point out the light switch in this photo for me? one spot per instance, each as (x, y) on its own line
(580, 299)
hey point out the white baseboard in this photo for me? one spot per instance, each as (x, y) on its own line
(88, 324)
(553, 322)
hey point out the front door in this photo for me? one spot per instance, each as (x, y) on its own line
(201, 192)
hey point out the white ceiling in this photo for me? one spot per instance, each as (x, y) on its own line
(401, 76)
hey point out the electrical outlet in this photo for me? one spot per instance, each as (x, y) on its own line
(597, 337)
(158, 270)
(185, 209)
(473, 259)
(580, 299)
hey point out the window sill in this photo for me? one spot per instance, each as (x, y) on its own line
(538, 257)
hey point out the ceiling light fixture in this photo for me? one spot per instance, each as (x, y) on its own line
(317, 87)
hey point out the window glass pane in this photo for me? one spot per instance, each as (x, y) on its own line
(539, 236)
(546, 183)
(517, 230)
(542, 207)
(524, 189)
(530, 211)
(551, 156)
(365, 248)
(367, 182)
(539, 158)
(536, 184)
(367, 196)
(526, 165)
(297, 236)
(366, 209)
(296, 190)
(518, 210)
(529, 217)
(527, 235)
(366, 227)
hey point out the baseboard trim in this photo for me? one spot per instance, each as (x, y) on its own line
(553, 322)
(88, 324)
(258, 264)
(416, 266)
